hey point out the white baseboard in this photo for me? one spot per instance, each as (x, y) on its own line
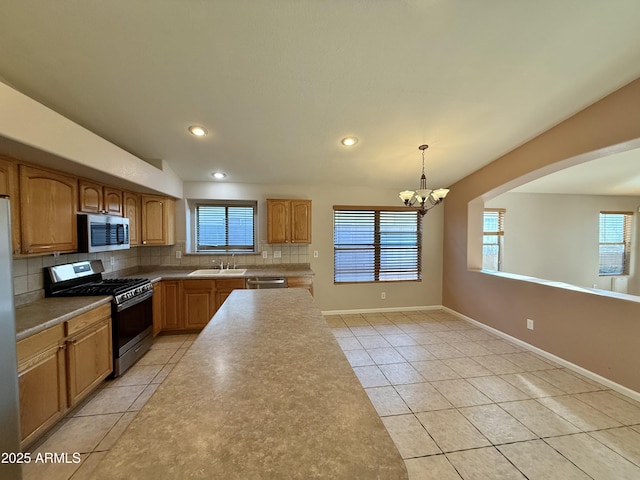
(543, 353)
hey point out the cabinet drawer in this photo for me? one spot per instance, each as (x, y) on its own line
(39, 342)
(299, 281)
(79, 323)
(230, 284)
(199, 284)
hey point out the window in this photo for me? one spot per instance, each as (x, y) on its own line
(493, 238)
(376, 244)
(225, 226)
(615, 243)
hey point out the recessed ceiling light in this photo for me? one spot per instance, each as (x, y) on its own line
(218, 175)
(198, 130)
(349, 141)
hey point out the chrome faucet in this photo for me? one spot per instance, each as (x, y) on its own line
(221, 264)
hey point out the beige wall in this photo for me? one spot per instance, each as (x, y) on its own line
(596, 332)
(328, 296)
(555, 237)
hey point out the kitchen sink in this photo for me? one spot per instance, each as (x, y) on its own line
(216, 272)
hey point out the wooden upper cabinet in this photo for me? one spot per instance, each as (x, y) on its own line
(288, 221)
(113, 201)
(9, 186)
(131, 203)
(51, 196)
(278, 219)
(300, 221)
(95, 198)
(158, 220)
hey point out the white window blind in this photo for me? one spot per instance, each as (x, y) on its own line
(493, 238)
(374, 244)
(615, 243)
(225, 227)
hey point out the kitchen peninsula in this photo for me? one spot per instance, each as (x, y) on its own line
(264, 392)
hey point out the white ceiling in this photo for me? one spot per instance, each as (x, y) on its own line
(278, 83)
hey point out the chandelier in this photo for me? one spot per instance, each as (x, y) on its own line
(425, 198)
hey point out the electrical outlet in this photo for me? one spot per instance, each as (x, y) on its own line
(277, 254)
(383, 295)
(315, 254)
(178, 254)
(529, 324)
(112, 260)
(265, 254)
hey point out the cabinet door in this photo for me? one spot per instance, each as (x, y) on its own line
(224, 289)
(113, 201)
(199, 302)
(43, 392)
(51, 196)
(91, 197)
(90, 359)
(300, 221)
(157, 308)
(158, 220)
(171, 303)
(301, 282)
(9, 186)
(131, 204)
(278, 218)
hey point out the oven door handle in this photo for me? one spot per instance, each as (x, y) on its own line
(134, 300)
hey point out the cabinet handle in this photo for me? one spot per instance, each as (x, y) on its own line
(62, 347)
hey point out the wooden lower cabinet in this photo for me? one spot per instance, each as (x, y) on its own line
(60, 366)
(188, 305)
(157, 308)
(90, 360)
(171, 300)
(42, 383)
(301, 282)
(225, 287)
(198, 302)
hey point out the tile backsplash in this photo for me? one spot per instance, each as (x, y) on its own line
(28, 272)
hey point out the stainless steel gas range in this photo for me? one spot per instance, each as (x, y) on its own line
(131, 305)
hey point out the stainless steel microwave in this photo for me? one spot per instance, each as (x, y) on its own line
(102, 233)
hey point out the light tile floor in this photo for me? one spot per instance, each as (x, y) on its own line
(94, 426)
(460, 402)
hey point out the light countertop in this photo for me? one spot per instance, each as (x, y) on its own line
(48, 312)
(265, 392)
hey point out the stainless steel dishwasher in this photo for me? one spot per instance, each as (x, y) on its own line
(265, 282)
